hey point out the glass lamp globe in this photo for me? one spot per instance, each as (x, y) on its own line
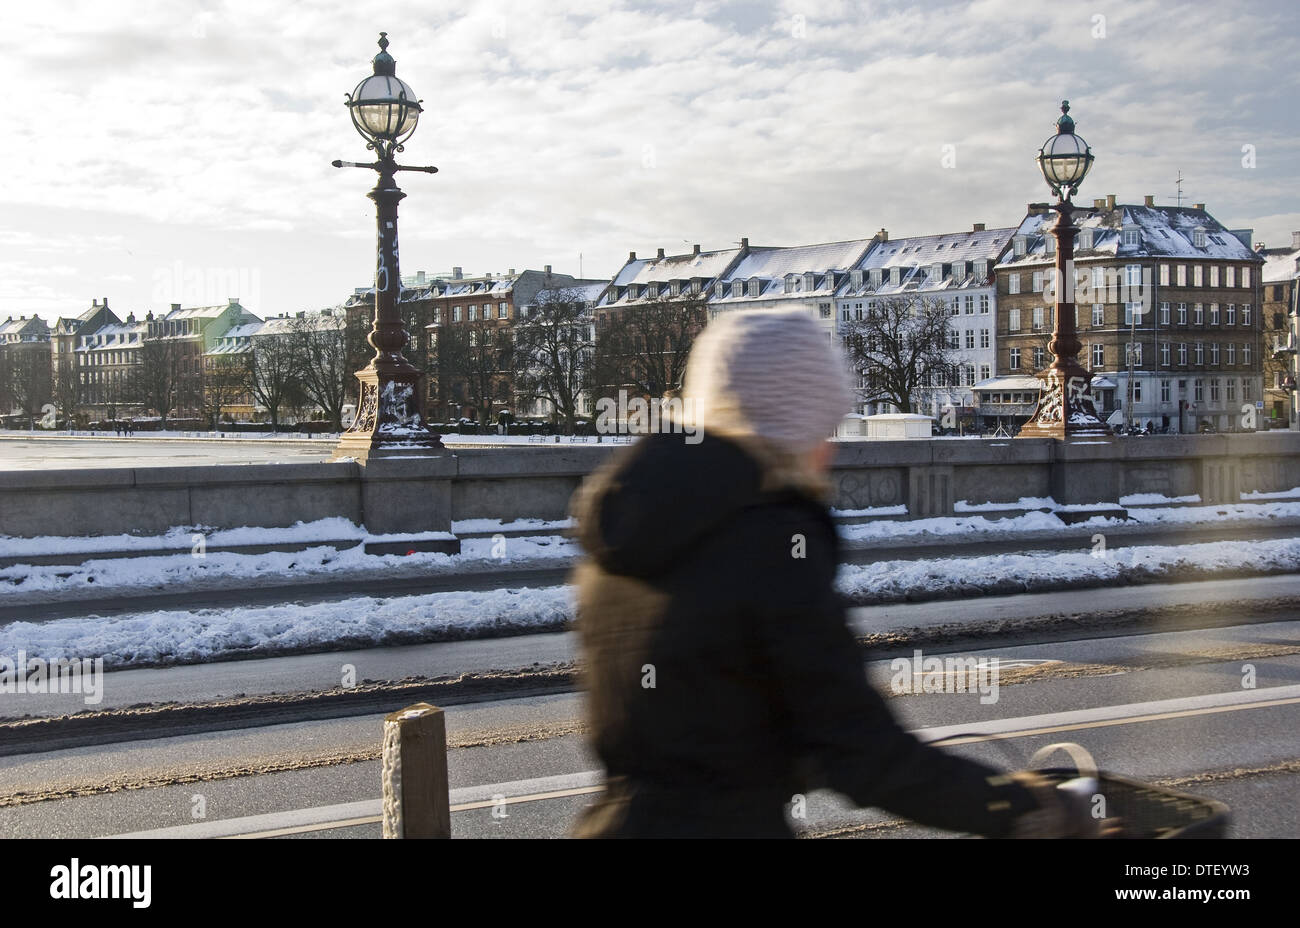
(383, 106)
(1065, 158)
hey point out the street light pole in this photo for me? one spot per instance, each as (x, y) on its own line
(390, 419)
(1065, 406)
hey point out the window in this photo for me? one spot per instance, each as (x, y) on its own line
(1230, 276)
(1018, 247)
(455, 314)
(1214, 275)
(954, 309)
(1245, 314)
(1038, 318)
(1164, 314)
(1198, 275)
(1038, 281)
(1131, 311)
(1230, 353)
(1214, 353)
(1214, 390)
(473, 312)
(1164, 391)
(1245, 354)
(1038, 358)
(1013, 283)
(503, 310)
(984, 304)
(1164, 275)
(1247, 390)
(1132, 275)
(1136, 389)
(1245, 282)
(970, 305)
(1230, 314)
(1131, 237)
(985, 372)
(1182, 314)
(1198, 314)
(1098, 314)
(1098, 356)
(1181, 275)
(954, 338)
(1199, 353)
(825, 311)
(1013, 320)
(1014, 359)
(984, 338)
(1198, 391)
(970, 339)
(753, 286)
(1198, 239)
(1232, 389)
(1164, 354)
(844, 314)
(1133, 353)
(1182, 354)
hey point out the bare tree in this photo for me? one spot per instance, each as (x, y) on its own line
(478, 359)
(271, 374)
(28, 385)
(900, 347)
(644, 345)
(160, 375)
(225, 380)
(553, 351)
(322, 347)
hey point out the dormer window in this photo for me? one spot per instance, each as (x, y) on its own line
(981, 269)
(897, 275)
(1085, 238)
(754, 284)
(1049, 244)
(856, 277)
(790, 281)
(654, 291)
(1019, 244)
(936, 271)
(736, 287)
(675, 288)
(877, 275)
(1198, 237)
(1132, 237)
(809, 281)
(959, 270)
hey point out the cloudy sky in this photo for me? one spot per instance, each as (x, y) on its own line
(160, 152)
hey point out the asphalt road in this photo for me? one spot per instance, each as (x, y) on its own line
(1173, 706)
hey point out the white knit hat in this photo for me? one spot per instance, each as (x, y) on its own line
(770, 373)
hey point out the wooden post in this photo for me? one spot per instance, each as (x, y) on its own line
(416, 803)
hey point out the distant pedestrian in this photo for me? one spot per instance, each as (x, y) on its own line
(722, 679)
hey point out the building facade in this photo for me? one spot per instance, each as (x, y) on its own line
(1281, 277)
(1167, 304)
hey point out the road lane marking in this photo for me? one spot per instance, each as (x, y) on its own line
(367, 811)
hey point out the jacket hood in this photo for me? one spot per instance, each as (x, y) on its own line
(643, 510)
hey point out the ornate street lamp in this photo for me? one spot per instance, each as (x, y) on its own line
(1065, 407)
(390, 420)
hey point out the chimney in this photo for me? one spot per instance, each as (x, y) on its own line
(979, 227)
(1295, 239)
(697, 247)
(548, 270)
(744, 244)
(1199, 206)
(94, 304)
(175, 306)
(1259, 247)
(660, 255)
(631, 255)
(1150, 199)
(457, 273)
(884, 236)
(1099, 203)
(1110, 201)
(511, 272)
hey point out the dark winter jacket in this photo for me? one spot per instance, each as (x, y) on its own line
(721, 676)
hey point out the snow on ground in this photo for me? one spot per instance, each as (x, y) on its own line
(180, 636)
(117, 576)
(182, 538)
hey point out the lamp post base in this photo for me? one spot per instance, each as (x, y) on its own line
(1065, 409)
(389, 423)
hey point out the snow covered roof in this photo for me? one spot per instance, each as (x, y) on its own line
(707, 265)
(13, 328)
(778, 262)
(585, 292)
(1163, 232)
(928, 250)
(199, 312)
(1010, 382)
(1280, 264)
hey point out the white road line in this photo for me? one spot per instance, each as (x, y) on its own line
(303, 819)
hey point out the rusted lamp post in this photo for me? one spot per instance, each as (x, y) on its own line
(390, 419)
(1065, 407)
